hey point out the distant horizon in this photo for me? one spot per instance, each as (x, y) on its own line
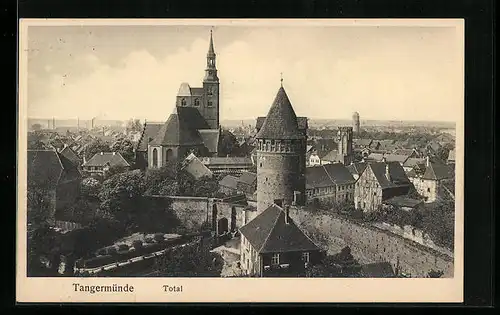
(407, 73)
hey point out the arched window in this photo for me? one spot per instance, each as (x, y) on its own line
(155, 158)
(169, 155)
(183, 102)
(196, 102)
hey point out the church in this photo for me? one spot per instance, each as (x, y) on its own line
(192, 127)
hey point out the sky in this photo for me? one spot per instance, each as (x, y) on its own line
(122, 72)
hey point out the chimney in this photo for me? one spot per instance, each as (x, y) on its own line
(427, 161)
(387, 173)
(53, 123)
(287, 214)
(102, 153)
(114, 153)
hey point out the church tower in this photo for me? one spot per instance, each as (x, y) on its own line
(281, 147)
(344, 140)
(210, 110)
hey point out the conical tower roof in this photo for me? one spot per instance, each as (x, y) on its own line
(281, 121)
(178, 132)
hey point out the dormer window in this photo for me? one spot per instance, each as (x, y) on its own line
(197, 102)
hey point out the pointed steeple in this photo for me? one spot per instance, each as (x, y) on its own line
(211, 51)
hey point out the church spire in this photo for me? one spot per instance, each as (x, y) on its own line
(211, 70)
(211, 51)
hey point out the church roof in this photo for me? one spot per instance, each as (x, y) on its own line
(281, 121)
(269, 233)
(149, 133)
(184, 90)
(179, 129)
(211, 50)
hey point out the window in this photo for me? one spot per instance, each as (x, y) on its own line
(196, 102)
(275, 260)
(155, 158)
(260, 164)
(183, 102)
(209, 104)
(374, 193)
(305, 257)
(428, 190)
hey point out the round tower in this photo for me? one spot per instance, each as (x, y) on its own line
(281, 149)
(355, 123)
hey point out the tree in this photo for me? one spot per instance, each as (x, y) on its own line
(96, 146)
(193, 260)
(90, 187)
(121, 196)
(126, 148)
(228, 144)
(36, 127)
(134, 125)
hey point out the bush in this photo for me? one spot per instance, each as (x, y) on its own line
(123, 247)
(137, 244)
(159, 237)
(111, 250)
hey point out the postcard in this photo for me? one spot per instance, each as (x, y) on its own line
(203, 160)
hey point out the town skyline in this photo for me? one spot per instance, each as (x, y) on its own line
(125, 71)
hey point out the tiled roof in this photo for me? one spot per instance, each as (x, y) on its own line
(197, 91)
(388, 157)
(437, 171)
(111, 158)
(178, 130)
(362, 142)
(192, 117)
(211, 139)
(403, 201)
(301, 122)
(214, 161)
(327, 175)
(229, 181)
(247, 178)
(331, 156)
(47, 167)
(269, 233)
(396, 173)
(281, 121)
(357, 168)
(68, 153)
(412, 162)
(150, 131)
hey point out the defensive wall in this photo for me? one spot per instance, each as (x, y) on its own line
(370, 244)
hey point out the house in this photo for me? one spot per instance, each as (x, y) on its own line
(193, 166)
(53, 180)
(413, 163)
(71, 155)
(451, 157)
(362, 143)
(380, 181)
(380, 157)
(247, 184)
(228, 185)
(102, 162)
(329, 183)
(356, 169)
(437, 179)
(229, 165)
(272, 245)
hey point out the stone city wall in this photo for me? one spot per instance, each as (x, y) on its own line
(370, 244)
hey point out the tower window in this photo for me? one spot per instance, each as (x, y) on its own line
(209, 104)
(197, 102)
(305, 257)
(183, 102)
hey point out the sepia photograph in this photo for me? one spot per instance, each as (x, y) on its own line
(162, 159)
